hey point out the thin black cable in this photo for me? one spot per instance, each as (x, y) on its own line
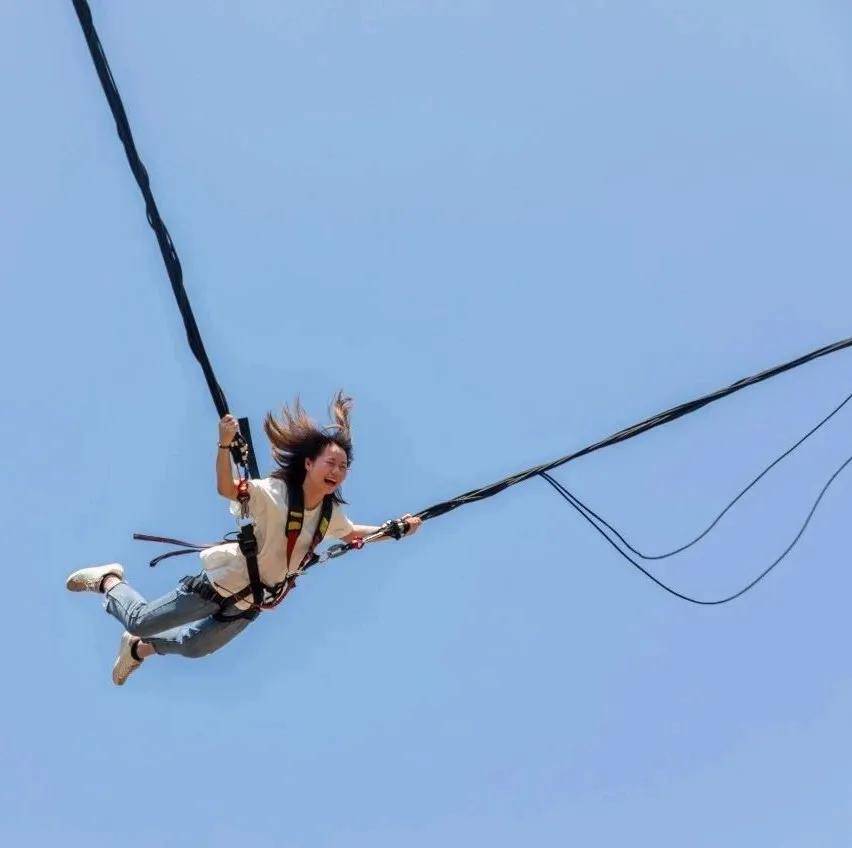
(564, 493)
(731, 503)
(658, 420)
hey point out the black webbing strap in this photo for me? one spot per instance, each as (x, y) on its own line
(248, 546)
(185, 547)
(295, 519)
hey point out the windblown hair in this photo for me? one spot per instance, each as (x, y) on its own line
(295, 437)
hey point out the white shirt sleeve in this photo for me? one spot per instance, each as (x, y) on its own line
(339, 525)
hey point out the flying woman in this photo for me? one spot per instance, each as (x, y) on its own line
(292, 510)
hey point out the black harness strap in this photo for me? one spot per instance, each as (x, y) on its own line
(293, 524)
(185, 547)
(248, 546)
(295, 519)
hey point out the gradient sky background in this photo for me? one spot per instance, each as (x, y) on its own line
(508, 230)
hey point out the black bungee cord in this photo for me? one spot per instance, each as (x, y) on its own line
(244, 455)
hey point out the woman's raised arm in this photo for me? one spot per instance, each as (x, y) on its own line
(225, 483)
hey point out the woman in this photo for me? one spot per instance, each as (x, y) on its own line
(208, 610)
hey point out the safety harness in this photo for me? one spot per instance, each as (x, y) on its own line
(263, 596)
(268, 597)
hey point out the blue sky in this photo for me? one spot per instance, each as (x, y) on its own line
(507, 232)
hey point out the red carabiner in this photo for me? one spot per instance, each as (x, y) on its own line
(243, 491)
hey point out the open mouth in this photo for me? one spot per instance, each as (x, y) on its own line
(329, 482)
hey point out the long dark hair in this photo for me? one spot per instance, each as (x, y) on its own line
(295, 437)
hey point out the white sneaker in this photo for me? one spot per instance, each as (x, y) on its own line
(89, 579)
(125, 665)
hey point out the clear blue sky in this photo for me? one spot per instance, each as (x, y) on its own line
(508, 231)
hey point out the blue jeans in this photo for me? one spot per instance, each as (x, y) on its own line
(181, 622)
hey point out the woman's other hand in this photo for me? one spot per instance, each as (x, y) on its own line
(414, 523)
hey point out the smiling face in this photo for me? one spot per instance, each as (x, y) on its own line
(327, 472)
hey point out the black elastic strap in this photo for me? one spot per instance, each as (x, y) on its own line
(657, 420)
(164, 240)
